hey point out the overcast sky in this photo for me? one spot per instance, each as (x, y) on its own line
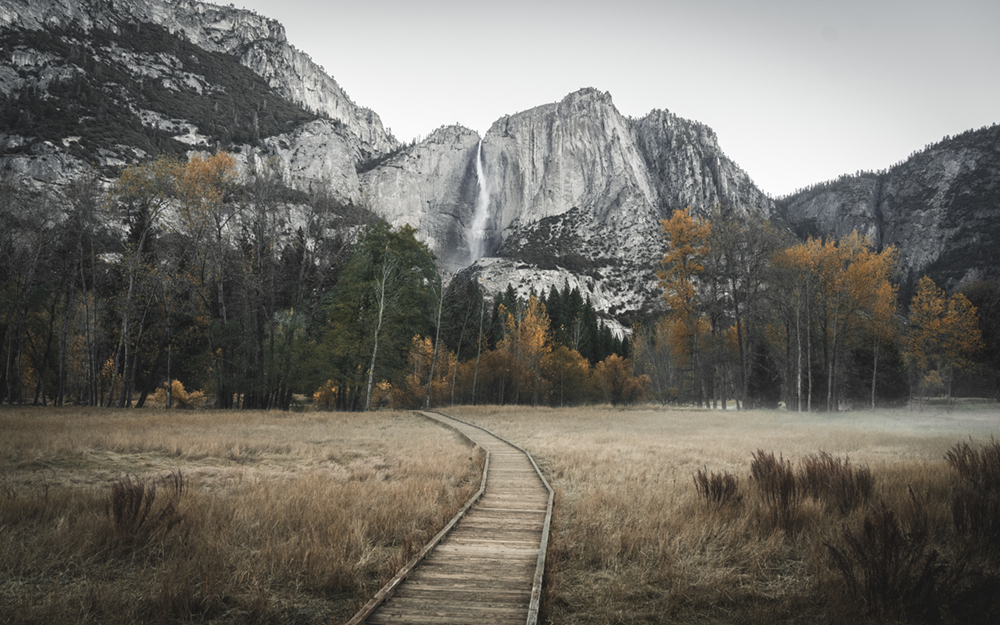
(798, 91)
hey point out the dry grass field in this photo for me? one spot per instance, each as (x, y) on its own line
(777, 532)
(226, 517)
(298, 518)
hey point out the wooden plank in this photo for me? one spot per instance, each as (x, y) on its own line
(487, 568)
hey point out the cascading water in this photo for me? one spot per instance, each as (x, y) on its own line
(476, 235)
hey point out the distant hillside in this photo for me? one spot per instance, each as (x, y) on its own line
(940, 208)
(140, 91)
(569, 192)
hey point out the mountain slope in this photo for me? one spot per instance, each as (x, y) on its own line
(940, 208)
(257, 42)
(567, 192)
(106, 83)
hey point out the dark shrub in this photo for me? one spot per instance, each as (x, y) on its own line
(718, 489)
(775, 480)
(894, 572)
(837, 481)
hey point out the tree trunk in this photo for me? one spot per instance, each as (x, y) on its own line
(437, 341)
(479, 350)
(381, 297)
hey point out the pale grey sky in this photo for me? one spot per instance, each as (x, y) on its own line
(798, 91)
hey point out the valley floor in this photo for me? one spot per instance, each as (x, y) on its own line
(277, 517)
(633, 540)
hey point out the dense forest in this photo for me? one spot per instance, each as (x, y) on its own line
(244, 294)
(764, 319)
(185, 283)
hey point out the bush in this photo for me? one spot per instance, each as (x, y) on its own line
(775, 480)
(325, 396)
(977, 520)
(831, 479)
(894, 572)
(718, 489)
(180, 398)
(975, 506)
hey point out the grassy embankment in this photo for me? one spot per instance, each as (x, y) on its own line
(635, 540)
(155, 516)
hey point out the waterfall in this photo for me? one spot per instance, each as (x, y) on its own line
(476, 235)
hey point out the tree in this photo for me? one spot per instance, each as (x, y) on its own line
(851, 276)
(381, 301)
(881, 323)
(567, 372)
(205, 193)
(462, 322)
(140, 196)
(29, 292)
(741, 257)
(942, 334)
(985, 296)
(797, 280)
(687, 247)
(527, 340)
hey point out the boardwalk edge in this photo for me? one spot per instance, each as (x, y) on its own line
(386, 591)
(536, 587)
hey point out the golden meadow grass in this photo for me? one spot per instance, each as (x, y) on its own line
(257, 517)
(298, 518)
(634, 542)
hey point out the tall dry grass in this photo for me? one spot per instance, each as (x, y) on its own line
(155, 516)
(694, 516)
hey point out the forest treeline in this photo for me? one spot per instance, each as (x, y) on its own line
(185, 281)
(761, 318)
(254, 295)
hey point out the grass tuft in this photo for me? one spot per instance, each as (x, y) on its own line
(837, 481)
(717, 489)
(980, 468)
(130, 508)
(776, 483)
(894, 571)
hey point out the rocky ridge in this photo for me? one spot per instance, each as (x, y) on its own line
(940, 208)
(258, 42)
(576, 190)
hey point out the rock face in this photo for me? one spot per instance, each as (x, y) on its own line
(578, 192)
(258, 42)
(940, 208)
(313, 155)
(432, 186)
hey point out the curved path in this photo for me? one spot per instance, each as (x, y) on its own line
(488, 567)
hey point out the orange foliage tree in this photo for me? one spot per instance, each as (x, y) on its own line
(687, 247)
(527, 339)
(618, 383)
(852, 277)
(942, 335)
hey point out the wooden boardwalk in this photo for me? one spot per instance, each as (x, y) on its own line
(488, 567)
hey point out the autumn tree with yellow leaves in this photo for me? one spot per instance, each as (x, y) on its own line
(527, 340)
(942, 334)
(688, 245)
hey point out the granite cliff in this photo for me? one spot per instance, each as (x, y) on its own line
(940, 208)
(567, 192)
(259, 43)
